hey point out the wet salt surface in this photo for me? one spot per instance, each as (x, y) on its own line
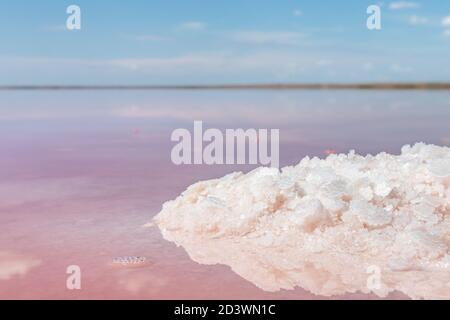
(83, 172)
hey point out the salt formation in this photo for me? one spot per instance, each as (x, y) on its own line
(322, 224)
(129, 261)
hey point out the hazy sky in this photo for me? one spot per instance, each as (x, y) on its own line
(199, 41)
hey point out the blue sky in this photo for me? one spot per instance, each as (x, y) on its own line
(197, 41)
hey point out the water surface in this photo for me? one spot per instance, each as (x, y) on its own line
(83, 171)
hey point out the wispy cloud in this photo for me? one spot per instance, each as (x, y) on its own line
(399, 5)
(271, 37)
(298, 12)
(267, 63)
(446, 24)
(171, 63)
(368, 66)
(193, 25)
(149, 38)
(400, 69)
(55, 28)
(254, 64)
(446, 21)
(418, 20)
(324, 62)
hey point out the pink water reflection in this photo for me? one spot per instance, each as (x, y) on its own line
(83, 172)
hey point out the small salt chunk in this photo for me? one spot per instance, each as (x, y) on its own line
(440, 168)
(425, 212)
(286, 183)
(367, 193)
(266, 240)
(382, 190)
(334, 189)
(400, 264)
(370, 214)
(309, 215)
(129, 261)
(216, 201)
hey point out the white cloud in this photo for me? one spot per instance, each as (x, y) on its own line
(215, 62)
(368, 66)
(149, 38)
(60, 27)
(399, 5)
(417, 20)
(446, 21)
(171, 64)
(269, 64)
(261, 37)
(266, 63)
(324, 62)
(194, 25)
(400, 69)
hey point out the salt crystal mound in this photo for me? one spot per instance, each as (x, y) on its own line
(326, 225)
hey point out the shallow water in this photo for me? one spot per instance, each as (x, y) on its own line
(83, 171)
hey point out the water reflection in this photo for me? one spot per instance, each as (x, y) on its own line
(87, 169)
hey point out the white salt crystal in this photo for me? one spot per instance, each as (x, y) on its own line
(425, 212)
(320, 224)
(216, 201)
(367, 193)
(286, 183)
(440, 167)
(369, 214)
(309, 215)
(382, 189)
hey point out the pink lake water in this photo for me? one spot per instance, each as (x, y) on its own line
(81, 172)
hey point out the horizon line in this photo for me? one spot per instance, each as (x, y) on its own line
(246, 86)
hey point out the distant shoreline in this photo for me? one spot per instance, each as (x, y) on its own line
(268, 86)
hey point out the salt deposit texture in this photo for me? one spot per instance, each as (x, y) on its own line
(324, 224)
